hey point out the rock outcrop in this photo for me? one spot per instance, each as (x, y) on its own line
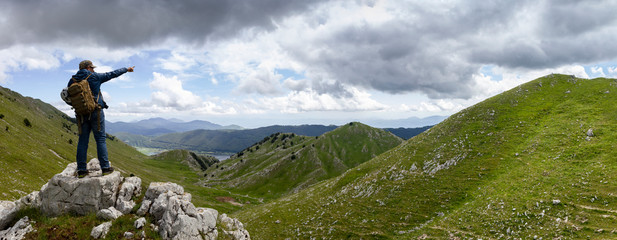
(8, 210)
(111, 196)
(177, 217)
(65, 193)
(18, 231)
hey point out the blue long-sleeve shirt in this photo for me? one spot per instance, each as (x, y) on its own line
(96, 79)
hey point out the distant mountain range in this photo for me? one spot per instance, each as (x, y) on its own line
(218, 141)
(159, 126)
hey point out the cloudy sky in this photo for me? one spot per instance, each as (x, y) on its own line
(263, 62)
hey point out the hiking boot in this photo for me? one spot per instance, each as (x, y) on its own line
(107, 171)
(82, 174)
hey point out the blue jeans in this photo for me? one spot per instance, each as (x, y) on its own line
(90, 124)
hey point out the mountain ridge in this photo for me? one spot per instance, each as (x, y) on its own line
(159, 126)
(286, 162)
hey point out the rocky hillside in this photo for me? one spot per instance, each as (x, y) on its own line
(286, 162)
(38, 141)
(165, 210)
(536, 162)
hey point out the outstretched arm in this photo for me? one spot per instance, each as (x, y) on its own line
(104, 77)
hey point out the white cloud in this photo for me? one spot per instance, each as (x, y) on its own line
(486, 87)
(261, 80)
(18, 58)
(95, 53)
(178, 62)
(170, 93)
(597, 71)
(612, 71)
(296, 85)
(434, 106)
(312, 101)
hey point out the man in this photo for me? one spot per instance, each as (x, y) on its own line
(95, 121)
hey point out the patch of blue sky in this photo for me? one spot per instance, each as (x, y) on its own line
(603, 69)
(487, 70)
(288, 73)
(42, 84)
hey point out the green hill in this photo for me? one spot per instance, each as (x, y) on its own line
(538, 161)
(196, 162)
(37, 141)
(283, 163)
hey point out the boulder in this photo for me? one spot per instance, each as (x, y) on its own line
(110, 213)
(101, 230)
(8, 210)
(65, 193)
(130, 187)
(233, 228)
(18, 231)
(31, 200)
(140, 223)
(128, 235)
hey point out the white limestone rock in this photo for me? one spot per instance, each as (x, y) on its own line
(101, 230)
(140, 223)
(31, 200)
(130, 187)
(175, 215)
(18, 231)
(110, 213)
(8, 210)
(233, 228)
(65, 193)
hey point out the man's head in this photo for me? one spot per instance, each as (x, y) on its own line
(86, 64)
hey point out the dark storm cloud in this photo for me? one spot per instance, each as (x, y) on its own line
(432, 47)
(437, 48)
(424, 52)
(119, 23)
(566, 32)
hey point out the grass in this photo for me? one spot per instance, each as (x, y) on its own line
(285, 163)
(518, 165)
(79, 227)
(489, 171)
(31, 155)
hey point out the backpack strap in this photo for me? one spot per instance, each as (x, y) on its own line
(85, 79)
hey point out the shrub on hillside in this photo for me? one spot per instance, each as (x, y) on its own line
(1, 116)
(110, 137)
(27, 122)
(66, 126)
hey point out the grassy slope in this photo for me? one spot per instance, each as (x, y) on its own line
(30, 156)
(490, 171)
(283, 163)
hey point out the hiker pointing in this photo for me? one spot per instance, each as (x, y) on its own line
(84, 91)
